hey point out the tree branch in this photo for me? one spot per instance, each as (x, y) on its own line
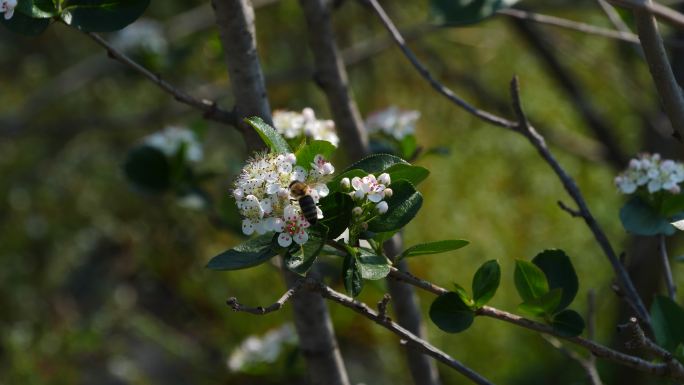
(523, 127)
(667, 271)
(260, 310)
(649, 7)
(210, 108)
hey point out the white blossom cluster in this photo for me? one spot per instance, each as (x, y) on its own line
(170, 140)
(144, 34)
(266, 349)
(263, 196)
(393, 122)
(292, 124)
(7, 7)
(653, 172)
(368, 194)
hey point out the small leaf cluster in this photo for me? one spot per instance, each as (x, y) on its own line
(32, 17)
(547, 286)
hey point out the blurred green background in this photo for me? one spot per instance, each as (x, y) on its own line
(100, 284)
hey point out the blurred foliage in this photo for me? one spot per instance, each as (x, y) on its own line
(101, 284)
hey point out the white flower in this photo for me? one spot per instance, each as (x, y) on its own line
(345, 183)
(322, 166)
(384, 178)
(7, 7)
(653, 173)
(369, 187)
(170, 140)
(256, 350)
(292, 124)
(393, 122)
(293, 228)
(144, 34)
(381, 207)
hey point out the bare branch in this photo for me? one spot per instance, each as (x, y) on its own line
(566, 208)
(587, 363)
(640, 340)
(260, 310)
(382, 306)
(667, 271)
(649, 7)
(614, 16)
(210, 108)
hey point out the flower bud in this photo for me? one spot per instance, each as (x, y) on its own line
(384, 178)
(382, 207)
(345, 183)
(357, 211)
(291, 158)
(327, 169)
(388, 192)
(238, 194)
(364, 226)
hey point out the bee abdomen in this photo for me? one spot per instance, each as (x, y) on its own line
(308, 206)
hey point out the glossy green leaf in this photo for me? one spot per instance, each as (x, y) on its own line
(485, 282)
(433, 248)
(307, 153)
(667, 319)
(269, 135)
(351, 276)
(250, 253)
(377, 163)
(38, 9)
(413, 174)
(458, 289)
(303, 257)
(337, 213)
(639, 218)
(148, 169)
(568, 323)
(403, 206)
(530, 280)
(461, 12)
(102, 15)
(25, 25)
(372, 266)
(545, 305)
(560, 273)
(451, 314)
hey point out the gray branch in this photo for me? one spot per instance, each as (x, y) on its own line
(667, 271)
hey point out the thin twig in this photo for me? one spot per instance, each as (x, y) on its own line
(667, 14)
(261, 310)
(587, 363)
(571, 211)
(570, 24)
(614, 16)
(210, 108)
(667, 271)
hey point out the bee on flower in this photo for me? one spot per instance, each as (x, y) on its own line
(650, 172)
(264, 196)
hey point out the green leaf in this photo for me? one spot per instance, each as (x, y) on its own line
(102, 15)
(667, 318)
(560, 273)
(251, 253)
(37, 9)
(672, 205)
(25, 25)
(458, 289)
(377, 163)
(148, 169)
(433, 248)
(351, 276)
(639, 218)
(403, 206)
(372, 267)
(337, 213)
(485, 282)
(544, 305)
(461, 12)
(413, 174)
(305, 255)
(530, 280)
(451, 314)
(307, 153)
(408, 146)
(568, 323)
(269, 135)
(384, 236)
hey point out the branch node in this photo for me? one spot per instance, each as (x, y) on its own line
(382, 307)
(573, 212)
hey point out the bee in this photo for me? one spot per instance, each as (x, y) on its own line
(302, 193)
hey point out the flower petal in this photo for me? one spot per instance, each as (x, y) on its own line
(301, 237)
(284, 240)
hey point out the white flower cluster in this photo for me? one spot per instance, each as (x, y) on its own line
(293, 124)
(263, 196)
(144, 34)
(170, 140)
(393, 122)
(369, 192)
(256, 350)
(7, 7)
(654, 173)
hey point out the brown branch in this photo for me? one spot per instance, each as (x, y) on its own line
(261, 310)
(571, 211)
(667, 14)
(523, 127)
(210, 108)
